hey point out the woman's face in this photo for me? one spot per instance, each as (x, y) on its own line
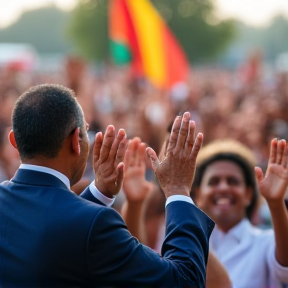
(223, 194)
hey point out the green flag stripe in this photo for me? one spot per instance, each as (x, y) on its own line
(120, 53)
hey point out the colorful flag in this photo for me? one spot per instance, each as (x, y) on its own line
(140, 36)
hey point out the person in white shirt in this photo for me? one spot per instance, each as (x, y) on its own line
(225, 188)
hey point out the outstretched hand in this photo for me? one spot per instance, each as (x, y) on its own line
(135, 186)
(176, 172)
(108, 155)
(273, 185)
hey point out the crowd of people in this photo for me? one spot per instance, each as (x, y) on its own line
(223, 103)
(242, 116)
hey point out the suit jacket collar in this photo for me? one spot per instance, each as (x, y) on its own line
(30, 177)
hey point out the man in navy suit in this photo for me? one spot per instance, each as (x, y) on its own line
(50, 237)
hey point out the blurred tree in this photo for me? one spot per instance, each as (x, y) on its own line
(88, 29)
(276, 42)
(44, 28)
(270, 40)
(202, 35)
(193, 23)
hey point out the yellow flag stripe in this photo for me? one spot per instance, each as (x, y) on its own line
(149, 29)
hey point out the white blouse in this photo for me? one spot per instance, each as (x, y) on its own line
(248, 254)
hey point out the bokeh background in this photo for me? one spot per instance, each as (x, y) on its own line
(238, 64)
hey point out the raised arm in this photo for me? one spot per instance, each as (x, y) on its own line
(273, 186)
(216, 274)
(136, 189)
(108, 155)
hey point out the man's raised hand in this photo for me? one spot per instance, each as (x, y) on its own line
(108, 155)
(176, 172)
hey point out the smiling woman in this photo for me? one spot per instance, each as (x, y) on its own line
(225, 188)
(224, 193)
(225, 165)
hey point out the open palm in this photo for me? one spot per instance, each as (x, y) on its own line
(273, 186)
(135, 186)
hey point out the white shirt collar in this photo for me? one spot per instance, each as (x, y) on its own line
(47, 170)
(236, 232)
(239, 230)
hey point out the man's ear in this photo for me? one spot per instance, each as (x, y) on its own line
(76, 141)
(12, 141)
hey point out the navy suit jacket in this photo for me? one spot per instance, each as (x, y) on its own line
(50, 237)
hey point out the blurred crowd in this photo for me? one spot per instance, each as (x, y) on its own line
(247, 104)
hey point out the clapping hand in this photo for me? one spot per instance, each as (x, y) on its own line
(176, 172)
(108, 155)
(135, 186)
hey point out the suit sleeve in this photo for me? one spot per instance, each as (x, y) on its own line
(86, 194)
(116, 258)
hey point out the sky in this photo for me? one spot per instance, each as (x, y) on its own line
(10, 10)
(252, 12)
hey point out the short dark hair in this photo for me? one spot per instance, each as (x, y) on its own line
(42, 118)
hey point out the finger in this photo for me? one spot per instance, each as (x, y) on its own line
(190, 138)
(141, 154)
(116, 142)
(280, 151)
(107, 142)
(127, 155)
(196, 148)
(120, 174)
(134, 151)
(273, 151)
(122, 148)
(174, 135)
(97, 146)
(259, 174)
(285, 156)
(163, 150)
(183, 133)
(153, 158)
(148, 162)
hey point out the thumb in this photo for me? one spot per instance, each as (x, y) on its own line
(259, 174)
(153, 158)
